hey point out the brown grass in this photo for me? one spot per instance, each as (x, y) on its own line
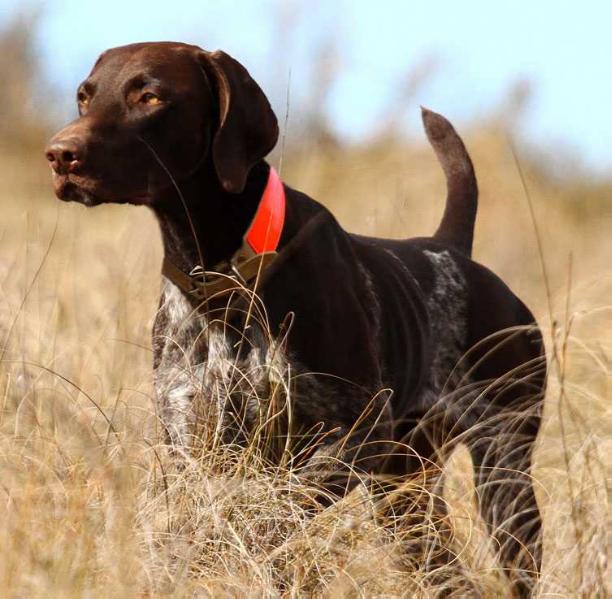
(90, 503)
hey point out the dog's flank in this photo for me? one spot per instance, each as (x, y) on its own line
(447, 305)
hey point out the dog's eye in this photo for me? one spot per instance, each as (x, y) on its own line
(82, 99)
(149, 99)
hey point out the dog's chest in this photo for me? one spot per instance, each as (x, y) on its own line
(203, 373)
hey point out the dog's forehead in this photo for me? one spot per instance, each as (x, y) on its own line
(159, 59)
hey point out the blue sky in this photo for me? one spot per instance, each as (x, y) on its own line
(479, 48)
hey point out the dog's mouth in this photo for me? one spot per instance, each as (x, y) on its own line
(73, 188)
(68, 190)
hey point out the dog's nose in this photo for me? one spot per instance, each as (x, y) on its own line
(65, 155)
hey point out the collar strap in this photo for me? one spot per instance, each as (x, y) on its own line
(257, 251)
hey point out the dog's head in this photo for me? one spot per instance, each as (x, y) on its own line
(152, 113)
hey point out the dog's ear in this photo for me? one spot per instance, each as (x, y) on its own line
(247, 129)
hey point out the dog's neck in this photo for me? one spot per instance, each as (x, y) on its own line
(204, 225)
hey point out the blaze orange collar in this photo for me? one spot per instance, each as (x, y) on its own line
(257, 252)
(267, 227)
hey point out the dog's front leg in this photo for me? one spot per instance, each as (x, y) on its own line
(351, 437)
(176, 394)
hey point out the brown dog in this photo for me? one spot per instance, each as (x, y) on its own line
(185, 132)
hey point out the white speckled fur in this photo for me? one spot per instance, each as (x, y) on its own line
(447, 307)
(179, 372)
(197, 374)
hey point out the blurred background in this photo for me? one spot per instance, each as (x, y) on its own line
(346, 80)
(527, 85)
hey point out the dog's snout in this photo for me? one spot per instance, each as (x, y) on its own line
(65, 155)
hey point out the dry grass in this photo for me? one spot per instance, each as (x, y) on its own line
(90, 503)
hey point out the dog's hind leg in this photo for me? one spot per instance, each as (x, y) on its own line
(412, 504)
(502, 455)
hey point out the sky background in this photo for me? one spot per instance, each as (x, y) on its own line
(472, 51)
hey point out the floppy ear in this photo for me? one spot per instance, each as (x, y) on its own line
(248, 129)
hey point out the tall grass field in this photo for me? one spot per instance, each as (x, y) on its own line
(92, 504)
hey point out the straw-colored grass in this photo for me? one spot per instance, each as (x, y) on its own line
(92, 504)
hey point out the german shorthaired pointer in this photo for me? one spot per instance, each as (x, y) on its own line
(413, 343)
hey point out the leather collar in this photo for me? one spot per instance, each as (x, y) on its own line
(257, 251)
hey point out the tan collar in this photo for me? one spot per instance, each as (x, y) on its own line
(239, 273)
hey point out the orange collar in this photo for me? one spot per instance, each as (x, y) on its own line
(257, 252)
(265, 231)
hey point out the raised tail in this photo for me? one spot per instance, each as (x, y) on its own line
(457, 225)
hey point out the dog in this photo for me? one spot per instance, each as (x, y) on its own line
(185, 132)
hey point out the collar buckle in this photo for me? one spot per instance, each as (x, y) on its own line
(197, 272)
(237, 274)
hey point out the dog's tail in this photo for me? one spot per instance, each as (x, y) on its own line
(457, 225)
